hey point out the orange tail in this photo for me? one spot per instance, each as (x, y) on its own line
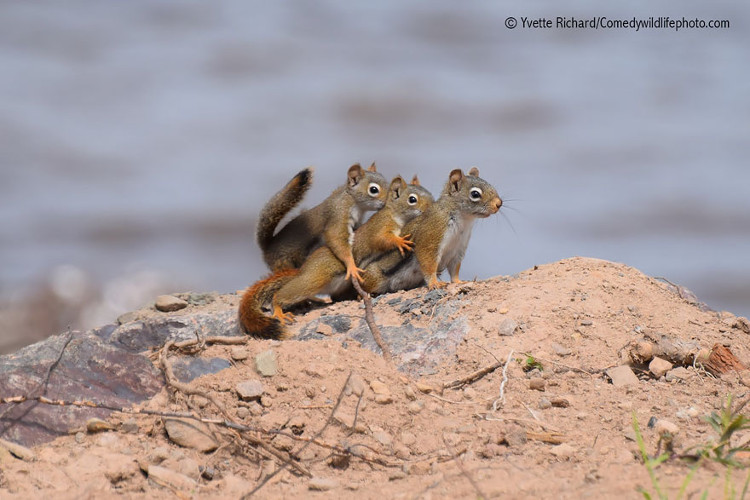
(252, 320)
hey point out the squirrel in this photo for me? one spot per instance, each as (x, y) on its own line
(331, 223)
(440, 237)
(323, 272)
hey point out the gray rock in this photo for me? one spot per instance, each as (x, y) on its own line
(239, 353)
(171, 479)
(560, 350)
(622, 376)
(188, 368)
(507, 327)
(250, 389)
(89, 369)
(265, 363)
(679, 373)
(545, 403)
(322, 484)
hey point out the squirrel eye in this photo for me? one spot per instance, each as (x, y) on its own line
(373, 189)
(475, 194)
(413, 199)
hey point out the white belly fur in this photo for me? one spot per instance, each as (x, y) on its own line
(455, 241)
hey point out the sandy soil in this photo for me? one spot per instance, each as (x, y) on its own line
(561, 432)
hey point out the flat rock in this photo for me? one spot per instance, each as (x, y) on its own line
(190, 434)
(622, 376)
(537, 384)
(250, 389)
(322, 484)
(18, 451)
(170, 479)
(89, 369)
(563, 450)
(169, 303)
(507, 327)
(265, 363)
(188, 368)
(679, 373)
(659, 367)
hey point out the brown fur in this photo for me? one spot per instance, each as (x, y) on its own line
(251, 318)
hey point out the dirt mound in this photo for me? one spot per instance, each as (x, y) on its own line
(550, 339)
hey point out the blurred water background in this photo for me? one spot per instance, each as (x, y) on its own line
(138, 140)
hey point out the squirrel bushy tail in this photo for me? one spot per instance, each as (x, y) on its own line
(280, 205)
(252, 320)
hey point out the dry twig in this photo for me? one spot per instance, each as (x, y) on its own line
(370, 319)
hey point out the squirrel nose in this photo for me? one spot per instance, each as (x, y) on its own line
(497, 203)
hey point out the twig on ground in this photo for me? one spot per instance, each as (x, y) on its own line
(370, 319)
(472, 377)
(501, 397)
(463, 470)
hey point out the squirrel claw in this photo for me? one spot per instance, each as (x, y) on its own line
(405, 244)
(355, 272)
(434, 283)
(284, 318)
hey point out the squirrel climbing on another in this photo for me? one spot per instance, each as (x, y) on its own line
(331, 223)
(440, 237)
(323, 272)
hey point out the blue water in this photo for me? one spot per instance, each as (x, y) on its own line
(149, 134)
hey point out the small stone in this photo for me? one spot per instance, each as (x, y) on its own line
(424, 388)
(469, 393)
(239, 353)
(130, 426)
(396, 475)
(208, 473)
(537, 384)
(560, 350)
(679, 373)
(515, 437)
(379, 387)
(507, 327)
(642, 351)
(560, 402)
(357, 384)
(250, 389)
(324, 329)
(265, 363)
(563, 450)
(401, 451)
(659, 367)
(382, 437)
(587, 322)
(169, 303)
(322, 484)
(545, 403)
(171, 479)
(18, 451)
(490, 450)
(408, 438)
(409, 393)
(94, 425)
(742, 324)
(242, 412)
(503, 310)
(80, 437)
(663, 427)
(415, 407)
(745, 378)
(383, 399)
(622, 376)
(190, 434)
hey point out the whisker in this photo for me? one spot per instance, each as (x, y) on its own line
(505, 216)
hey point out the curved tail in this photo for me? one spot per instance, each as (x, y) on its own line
(281, 204)
(252, 320)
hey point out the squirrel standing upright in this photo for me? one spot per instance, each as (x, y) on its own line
(440, 236)
(330, 223)
(323, 272)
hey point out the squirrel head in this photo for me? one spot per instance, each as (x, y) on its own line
(367, 187)
(471, 194)
(408, 200)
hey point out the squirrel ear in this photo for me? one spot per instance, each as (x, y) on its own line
(454, 180)
(372, 168)
(397, 185)
(355, 174)
(474, 172)
(415, 180)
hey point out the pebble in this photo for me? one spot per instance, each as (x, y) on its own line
(242, 412)
(415, 407)
(382, 437)
(25, 454)
(94, 425)
(409, 393)
(659, 367)
(663, 427)
(379, 387)
(322, 484)
(545, 403)
(745, 378)
(587, 322)
(239, 353)
(515, 437)
(679, 373)
(563, 450)
(383, 399)
(507, 327)
(130, 426)
(537, 384)
(560, 402)
(169, 478)
(190, 434)
(169, 303)
(265, 363)
(396, 475)
(560, 350)
(622, 376)
(424, 388)
(250, 389)
(324, 329)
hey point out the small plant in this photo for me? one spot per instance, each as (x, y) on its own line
(530, 363)
(726, 423)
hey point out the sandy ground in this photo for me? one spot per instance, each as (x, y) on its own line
(562, 431)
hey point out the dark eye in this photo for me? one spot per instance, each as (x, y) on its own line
(413, 199)
(475, 194)
(374, 189)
